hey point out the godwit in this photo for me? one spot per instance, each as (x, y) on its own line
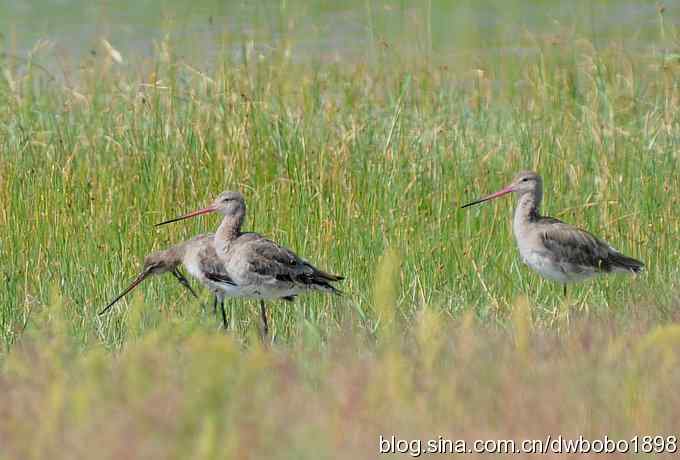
(198, 255)
(259, 268)
(556, 250)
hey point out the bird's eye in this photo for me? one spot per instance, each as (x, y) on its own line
(525, 179)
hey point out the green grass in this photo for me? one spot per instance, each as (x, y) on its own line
(359, 165)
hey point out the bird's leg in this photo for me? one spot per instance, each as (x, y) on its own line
(215, 304)
(565, 309)
(183, 281)
(263, 315)
(224, 315)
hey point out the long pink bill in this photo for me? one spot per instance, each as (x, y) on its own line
(500, 193)
(207, 210)
(142, 276)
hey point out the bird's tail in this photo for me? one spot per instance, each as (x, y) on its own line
(322, 280)
(327, 276)
(626, 264)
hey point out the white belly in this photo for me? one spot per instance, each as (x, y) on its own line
(545, 265)
(191, 264)
(267, 291)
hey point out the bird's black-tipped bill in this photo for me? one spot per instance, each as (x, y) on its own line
(142, 276)
(207, 210)
(500, 193)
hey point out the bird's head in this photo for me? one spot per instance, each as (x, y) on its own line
(524, 182)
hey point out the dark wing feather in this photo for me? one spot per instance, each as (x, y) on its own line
(271, 259)
(273, 252)
(576, 246)
(212, 267)
(219, 278)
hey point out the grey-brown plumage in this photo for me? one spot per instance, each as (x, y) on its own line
(554, 249)
(260, 268)
(198, 256)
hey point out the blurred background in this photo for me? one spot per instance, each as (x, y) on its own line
(202, 32)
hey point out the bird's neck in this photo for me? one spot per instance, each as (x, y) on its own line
(527, 211)
(174, 255)
(228, 231)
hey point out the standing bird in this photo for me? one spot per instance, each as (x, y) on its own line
(199, 257)
(556, 250)
(259, 268)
